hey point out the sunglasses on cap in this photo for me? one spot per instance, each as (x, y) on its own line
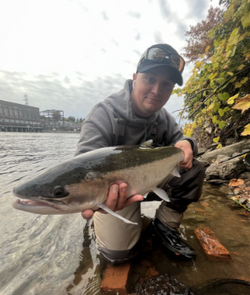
(159, 54)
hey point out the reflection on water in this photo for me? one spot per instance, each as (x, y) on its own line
(43, 255)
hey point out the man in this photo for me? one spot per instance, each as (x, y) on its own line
(130, 117)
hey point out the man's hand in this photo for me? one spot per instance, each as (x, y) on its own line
(186, 147)
(117, 200)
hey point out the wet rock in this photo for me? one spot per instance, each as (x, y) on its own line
(208, 209)
(226, 190)
(211, 245)
(201, 151)
(217, 181)
(242, 199)
(226, 170)
(245, 175)
(116, 279)
(204, 204)
(220, 173)
(199, 210)
(162, 284)
(236, 191)
(151, 272)
(226, 151)
(230, 141)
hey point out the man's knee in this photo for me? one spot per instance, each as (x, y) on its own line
(198, 169)
(118, 256)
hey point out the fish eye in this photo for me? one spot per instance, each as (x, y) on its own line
(59, 192)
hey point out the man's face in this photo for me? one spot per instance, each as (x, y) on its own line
(151, 91)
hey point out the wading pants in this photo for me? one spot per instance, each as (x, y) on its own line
(117, 241)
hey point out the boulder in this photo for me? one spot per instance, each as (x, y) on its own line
(226, 151)
(226, 170)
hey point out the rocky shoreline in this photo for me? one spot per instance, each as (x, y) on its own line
(232, 174)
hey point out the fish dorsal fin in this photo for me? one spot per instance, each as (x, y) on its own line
(160, 193)
(147, 144)
(106, 209)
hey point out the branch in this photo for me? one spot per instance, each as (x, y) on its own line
(204, 89)
(220, 86)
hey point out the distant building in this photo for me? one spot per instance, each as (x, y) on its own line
(52, 119)
(19, 117)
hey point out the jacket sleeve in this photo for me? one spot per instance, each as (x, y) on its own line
(97, 130)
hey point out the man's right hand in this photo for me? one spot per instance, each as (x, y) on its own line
(117, 200)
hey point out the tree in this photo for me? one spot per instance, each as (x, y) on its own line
(219, 86)
(198, 41)
(72, 118)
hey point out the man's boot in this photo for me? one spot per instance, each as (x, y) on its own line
(171, 239)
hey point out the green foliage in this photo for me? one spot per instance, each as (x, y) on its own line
(72, 118)
(224, 75)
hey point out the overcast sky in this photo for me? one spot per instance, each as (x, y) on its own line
(71, 54)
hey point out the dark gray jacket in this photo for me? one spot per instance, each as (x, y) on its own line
(113, 122)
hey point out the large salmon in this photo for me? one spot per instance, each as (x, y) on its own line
(83, 181)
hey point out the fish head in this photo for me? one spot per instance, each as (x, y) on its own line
(55, 192)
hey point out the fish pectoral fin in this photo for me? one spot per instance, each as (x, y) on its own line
(147, 144)
(106, 209)
(160, 193)
(175, 172)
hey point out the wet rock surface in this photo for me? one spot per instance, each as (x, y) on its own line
(226, 163)
(162, 284)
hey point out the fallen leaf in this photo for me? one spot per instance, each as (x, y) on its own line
(243, 103)
(236, 182)
(204, 204)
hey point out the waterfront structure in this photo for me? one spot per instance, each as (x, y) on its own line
(18, 117)
(52, 119)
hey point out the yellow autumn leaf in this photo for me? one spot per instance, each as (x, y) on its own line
(232, 98)
(237, 85)
(211, 107)
(244, 80)
(212, 76)
(207, 48)
(219, 146)
(216, 139)
(194, 125)
(245, 20)
(243, 104)
(246, 130)
(189, 132)
(241, 67)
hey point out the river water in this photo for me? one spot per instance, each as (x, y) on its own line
(39, 254)
(56, 255)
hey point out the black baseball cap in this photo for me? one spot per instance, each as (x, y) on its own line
(162, 55)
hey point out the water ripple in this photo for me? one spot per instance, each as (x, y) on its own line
(39, 254)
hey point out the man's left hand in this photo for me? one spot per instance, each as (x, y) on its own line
(186, 147)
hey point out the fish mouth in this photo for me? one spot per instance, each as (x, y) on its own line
(31, 205)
